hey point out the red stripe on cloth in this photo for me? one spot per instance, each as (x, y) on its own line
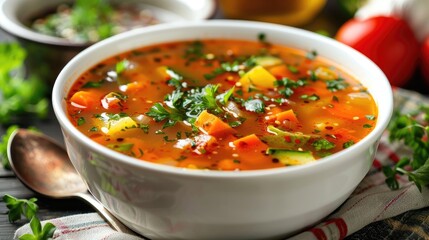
(376, 164)
(341, 225)
(392, 201)
(318, 233)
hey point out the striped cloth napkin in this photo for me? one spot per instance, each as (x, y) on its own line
(371, 201)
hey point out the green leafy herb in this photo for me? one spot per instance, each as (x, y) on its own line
(19, 97)
(370, 117)
(412, 130)
(81, 121)
(236, 67)
(121, 66)
(20, 207)
(348, 144)
(311, 55)
(367, 126)
(39, 233)
(93, 84)
(187, 105)
(336, 85)
(285, 86)
(194, 51)
(322, 144)
(159, 113)
(292, 69)
(312, 97)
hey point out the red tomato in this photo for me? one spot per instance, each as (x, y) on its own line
(425, 59)
(386, 40)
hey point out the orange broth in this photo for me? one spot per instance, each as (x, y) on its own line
(221, 105)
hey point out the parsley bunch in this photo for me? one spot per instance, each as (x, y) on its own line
(19, 96)
(28, 208)
(187, 105)
(412, 129)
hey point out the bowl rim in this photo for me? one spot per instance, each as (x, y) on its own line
(11, 24)
(324, 164)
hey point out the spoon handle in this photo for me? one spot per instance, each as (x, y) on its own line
(112, 220)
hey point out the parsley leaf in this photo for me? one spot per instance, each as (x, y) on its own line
(336, 85)
(412, 130)
(20, 207)
(322, 144)
(19, 96)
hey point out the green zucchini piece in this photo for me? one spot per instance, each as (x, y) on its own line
(291, 157)
(284, 139)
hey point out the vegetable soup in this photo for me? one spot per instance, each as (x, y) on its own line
(221, 104)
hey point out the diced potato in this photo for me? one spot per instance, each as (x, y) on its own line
(121, 125)
(257, 77)
(249, 143)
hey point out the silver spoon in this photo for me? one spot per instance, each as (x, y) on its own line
(44, 167)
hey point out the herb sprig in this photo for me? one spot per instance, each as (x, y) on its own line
(28, 209)
(187, 105)
(19, 96)
(412, 130)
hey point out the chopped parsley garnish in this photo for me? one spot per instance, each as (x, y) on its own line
(121, 66)
(176, 80)
(312, 97)
(187, 105)
(93, 84)
(311, 55)
(235, 66)
(194, 51)
(81, 121)
(367, 126)
(292, 69)
(370, 117)
(348, 144)
(323, 144)
(285, 86)
(336, 85)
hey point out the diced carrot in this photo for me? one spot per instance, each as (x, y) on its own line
(281, 117)
(227, 164)
(281, 71)
(288, 115)
(83, 99)
(212, 125)
(249, 143)
(135, 87)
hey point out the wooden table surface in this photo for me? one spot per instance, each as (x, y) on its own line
(50, 208)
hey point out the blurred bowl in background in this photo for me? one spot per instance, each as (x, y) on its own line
(47, 55)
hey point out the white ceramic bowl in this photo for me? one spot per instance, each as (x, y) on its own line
(163, 202)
